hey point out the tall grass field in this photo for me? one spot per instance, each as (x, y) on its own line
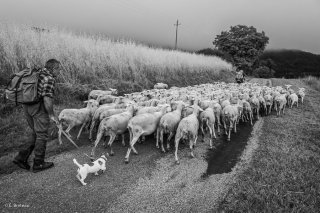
(100, 62)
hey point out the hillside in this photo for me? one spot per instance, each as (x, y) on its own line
(292, 63)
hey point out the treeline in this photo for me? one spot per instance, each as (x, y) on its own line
(291, 63)
(278, 63)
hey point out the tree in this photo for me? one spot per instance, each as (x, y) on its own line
(263, 72)
(243, 43)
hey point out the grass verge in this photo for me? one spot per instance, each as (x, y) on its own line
(284, 173)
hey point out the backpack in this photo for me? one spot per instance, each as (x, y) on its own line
(23, 87)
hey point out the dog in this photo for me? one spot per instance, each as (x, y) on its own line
(85, 169)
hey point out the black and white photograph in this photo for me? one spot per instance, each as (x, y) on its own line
(159, 106)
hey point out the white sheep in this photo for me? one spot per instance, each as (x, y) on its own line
(113, 126)
(230, 115)
(207, 118)
(142, 125)
(168, 124)
(95, 93)
(76, 117)
(280, 103)
(188, 129)
(301, 94)
(160, 86)
(293, 98)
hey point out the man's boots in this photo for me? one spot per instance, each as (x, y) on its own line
(39, 166)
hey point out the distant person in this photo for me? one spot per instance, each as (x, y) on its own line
(38, 116)
(240, 76)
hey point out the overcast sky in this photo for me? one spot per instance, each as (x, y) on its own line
(290, 24)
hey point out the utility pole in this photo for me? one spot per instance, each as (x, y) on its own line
(177, 24)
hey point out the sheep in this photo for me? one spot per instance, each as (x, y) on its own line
(168, 124)
(301, 94)
(207, 118)
(160, 86)
(143, 124)
(188, 129)
(95, 93)
(247, 111)
(76, 117)
(230, 116)
(255, 105)
(269, 100)
(293, 98)
(98, 112)
(280, 102)
(113, 126)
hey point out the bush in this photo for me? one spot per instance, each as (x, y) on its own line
(263, 72)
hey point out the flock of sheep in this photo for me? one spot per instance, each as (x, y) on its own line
(179, 112)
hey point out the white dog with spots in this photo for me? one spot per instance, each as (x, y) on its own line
(85, 169)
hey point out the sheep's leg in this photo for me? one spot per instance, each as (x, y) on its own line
(81, 130)
(112, 137)
(191, 143)
(230, 128)
(225, 127)
(157, 138)
(176, 151)
(68, 130)
(211, 130)
(59, 133)
(161, 140)
(123, 143)
(202, 131)
(91, 129)
(235, 127)
(168, 140)
(134, 140)
(218, 124)
(250, 115)
(99, 136)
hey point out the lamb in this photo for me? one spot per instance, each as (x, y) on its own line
(293, 98)
(160, 86)
(230, 116)
(168, 125)
(280, 102)
(142, 125)
(269, 101)
(113, 126)
(301, 94)
(207, 118)
(188, 129)
(95, 93)
(76, 117)
(255, 105)
(247, 111)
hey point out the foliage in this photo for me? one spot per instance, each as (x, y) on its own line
(215, 52)
(243, 43)
(263, 72)
(313, 82)
(291, 63)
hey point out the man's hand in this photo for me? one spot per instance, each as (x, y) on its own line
(54, 119)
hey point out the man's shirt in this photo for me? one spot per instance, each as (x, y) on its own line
(46, 83)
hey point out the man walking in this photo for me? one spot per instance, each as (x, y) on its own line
(38, 117)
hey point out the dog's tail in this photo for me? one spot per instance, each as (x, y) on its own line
(76, 162)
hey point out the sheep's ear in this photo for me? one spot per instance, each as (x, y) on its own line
(85, 101)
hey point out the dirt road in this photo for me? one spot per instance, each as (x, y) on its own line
(151, 182)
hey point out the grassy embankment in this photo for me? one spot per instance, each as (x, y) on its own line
(284, 173)
(93, 62)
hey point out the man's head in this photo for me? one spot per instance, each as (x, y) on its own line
(53, 66)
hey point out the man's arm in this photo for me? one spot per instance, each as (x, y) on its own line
(48, 104)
